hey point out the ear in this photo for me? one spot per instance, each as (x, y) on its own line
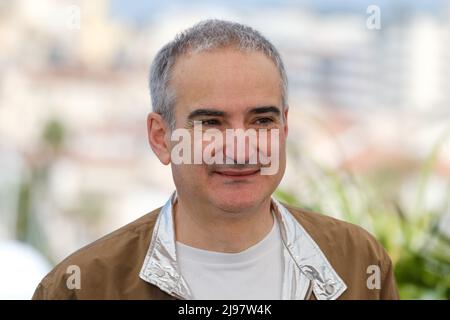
(157, 132)
(285, 114)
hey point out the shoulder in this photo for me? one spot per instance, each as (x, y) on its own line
(347, 246)
(331, 232)
(115, 254)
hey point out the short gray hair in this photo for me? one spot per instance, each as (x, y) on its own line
(208, 34)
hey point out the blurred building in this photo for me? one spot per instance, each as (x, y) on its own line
(360, 99)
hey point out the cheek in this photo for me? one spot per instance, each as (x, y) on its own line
(189, 175)
(271, 142)
(181, 175)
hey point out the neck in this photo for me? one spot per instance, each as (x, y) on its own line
(210, 228)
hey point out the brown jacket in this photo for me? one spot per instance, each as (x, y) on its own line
(110, 267)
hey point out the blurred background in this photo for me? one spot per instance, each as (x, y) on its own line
(369, 123)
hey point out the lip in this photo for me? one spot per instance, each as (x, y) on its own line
(238, 173)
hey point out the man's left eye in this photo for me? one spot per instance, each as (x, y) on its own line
(264, 121)
(210, 122)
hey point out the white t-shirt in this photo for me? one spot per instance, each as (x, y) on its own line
(255, 273)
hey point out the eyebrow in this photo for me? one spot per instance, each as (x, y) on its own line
(206, 112)
(217, 113)
(265, 109)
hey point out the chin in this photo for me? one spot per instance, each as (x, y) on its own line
(237, 201)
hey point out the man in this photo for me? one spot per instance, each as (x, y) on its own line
(221, 235)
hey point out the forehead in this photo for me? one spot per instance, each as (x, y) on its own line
(227, 79)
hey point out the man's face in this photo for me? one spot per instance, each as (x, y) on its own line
(229, 89)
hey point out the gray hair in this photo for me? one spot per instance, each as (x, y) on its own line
(208, 34)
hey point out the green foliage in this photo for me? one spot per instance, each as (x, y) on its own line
(410, 231)
(53, 133)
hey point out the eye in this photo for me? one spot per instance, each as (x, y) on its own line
(210, 122)
(264, 121)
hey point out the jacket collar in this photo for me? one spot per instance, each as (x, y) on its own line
(305, 264)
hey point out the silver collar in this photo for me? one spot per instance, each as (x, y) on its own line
(305, 265)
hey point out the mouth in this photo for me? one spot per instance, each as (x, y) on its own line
(238, 173)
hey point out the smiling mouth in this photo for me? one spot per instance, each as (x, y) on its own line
(241, 173)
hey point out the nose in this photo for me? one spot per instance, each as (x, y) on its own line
(240, 146)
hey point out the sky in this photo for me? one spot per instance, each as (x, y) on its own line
(141, 11)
